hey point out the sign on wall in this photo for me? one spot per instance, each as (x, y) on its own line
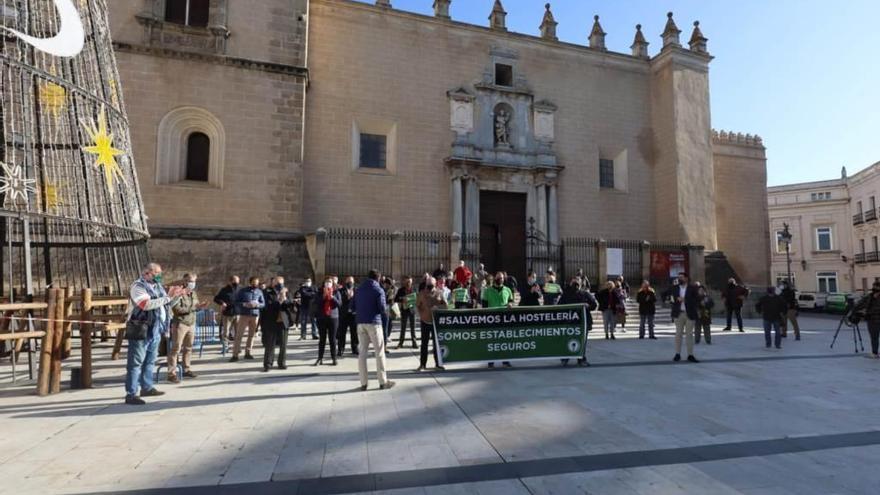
(666, 265)
(615, 262)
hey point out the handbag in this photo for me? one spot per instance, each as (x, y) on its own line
(136, 330)
(395, 311)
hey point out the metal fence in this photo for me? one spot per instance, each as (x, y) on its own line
(356, 251)
(581, 253)
(424, 252)
(470, 250)
(541, 254)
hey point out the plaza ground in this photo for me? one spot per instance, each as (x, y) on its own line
(747, 420)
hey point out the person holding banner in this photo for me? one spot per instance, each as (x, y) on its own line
(429, 298)
(498, 295)
(685, 313)
(575, 294)
(406, 299)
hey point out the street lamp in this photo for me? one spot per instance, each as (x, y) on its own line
(785, 237)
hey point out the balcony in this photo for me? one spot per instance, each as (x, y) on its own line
(872, 257)
(859, 258)
(858, 218)
(871, 215)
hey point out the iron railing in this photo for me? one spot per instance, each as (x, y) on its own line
(858, 218)
(581, 253)
(871, 215)
(632, 259)
(424, 252)
(356, 251)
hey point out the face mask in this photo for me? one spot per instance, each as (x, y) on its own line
(279, 286)
(681, 282)
(349, 285)
(191, 286)
(328, 285)
(234, 284)
(157, 277)
(308, 283)
(429, 287)
(575, 286)
(499, 282)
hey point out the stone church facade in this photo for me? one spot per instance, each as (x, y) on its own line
(335, 113)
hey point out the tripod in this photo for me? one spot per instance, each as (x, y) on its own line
(849, 320)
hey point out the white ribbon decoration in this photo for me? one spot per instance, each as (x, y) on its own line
(70, 38)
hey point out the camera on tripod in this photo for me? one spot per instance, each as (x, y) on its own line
(851, 318)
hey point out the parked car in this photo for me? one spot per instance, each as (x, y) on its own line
(810, 301)
(836, 303)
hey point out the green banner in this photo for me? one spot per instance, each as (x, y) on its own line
(509, 334)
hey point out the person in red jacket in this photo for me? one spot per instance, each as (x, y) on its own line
(462, 274)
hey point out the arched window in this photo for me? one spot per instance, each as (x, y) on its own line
(191, 148)
(188, 12)
(198, 156)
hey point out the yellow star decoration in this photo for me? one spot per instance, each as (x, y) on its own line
(105, 152)
(53, 98)
(52, 196)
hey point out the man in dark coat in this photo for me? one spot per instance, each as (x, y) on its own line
(226, 300)
(773, 309)
(734, 296)
(685, 312)
(576, 294)
(276, 318)
(791, 312)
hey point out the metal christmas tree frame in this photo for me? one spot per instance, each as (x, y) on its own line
(71, 213)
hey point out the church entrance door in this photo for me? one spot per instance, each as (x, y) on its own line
(503, 232)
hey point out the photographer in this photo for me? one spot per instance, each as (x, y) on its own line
(869, 306)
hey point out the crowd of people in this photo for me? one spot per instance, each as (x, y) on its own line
(336, 314)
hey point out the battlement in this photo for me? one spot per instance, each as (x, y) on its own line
(737, 138)
(595, 36)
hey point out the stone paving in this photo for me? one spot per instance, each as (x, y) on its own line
(311, 430)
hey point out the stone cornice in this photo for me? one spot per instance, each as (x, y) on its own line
(682, 58)
(243, 63)
(222, 234)
(602, 58)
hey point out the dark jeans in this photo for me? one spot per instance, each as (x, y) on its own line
(646, 320)
(274, 335)
(701, 329)
(739, 318)
(774, 325)
(407, 316)
(874, 332)
(387, 323)
(141, 366)
(428, 335)
(327, 330)
(347, 324)
(304, 319)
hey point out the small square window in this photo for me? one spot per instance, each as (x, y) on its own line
(606, 173)
(373, 151)
(504, 75)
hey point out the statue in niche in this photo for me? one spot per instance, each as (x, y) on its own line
(502, 127)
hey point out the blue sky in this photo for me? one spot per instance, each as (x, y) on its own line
(803, 74)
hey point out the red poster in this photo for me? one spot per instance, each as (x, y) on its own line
(668, 264)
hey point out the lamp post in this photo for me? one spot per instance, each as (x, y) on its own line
(786, 238)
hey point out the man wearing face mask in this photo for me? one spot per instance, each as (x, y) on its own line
(498, 296)
(149, 317)
(305, 295)
(347, 322)
(226, 300)
(249, 302)
(277, 319)
(429, 298)
(183, 329)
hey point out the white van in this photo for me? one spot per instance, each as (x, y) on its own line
(811, 301)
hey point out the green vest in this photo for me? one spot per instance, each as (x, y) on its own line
(460, 295)
(552, 288)
(498, 298)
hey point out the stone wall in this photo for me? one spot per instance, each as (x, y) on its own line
(372, 63)
(215, 260)
(741, 206)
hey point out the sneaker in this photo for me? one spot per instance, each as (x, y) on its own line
(677, 358)
(173, 379)
(613, 337)
(190, 374)
(779, 347)
(248, 356)
(652, 337)
(797, 338)
(440, 368)
(415, 346)
(726, 329)
(583, 363)
(742, 331)
(133, 400)
(693, 359)
(152, 393)
(266, 369)
(233, 359)
(282, 366)
(491, 365)
(387, 385)
(420, 369)
(507, 364)
(363, 388)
